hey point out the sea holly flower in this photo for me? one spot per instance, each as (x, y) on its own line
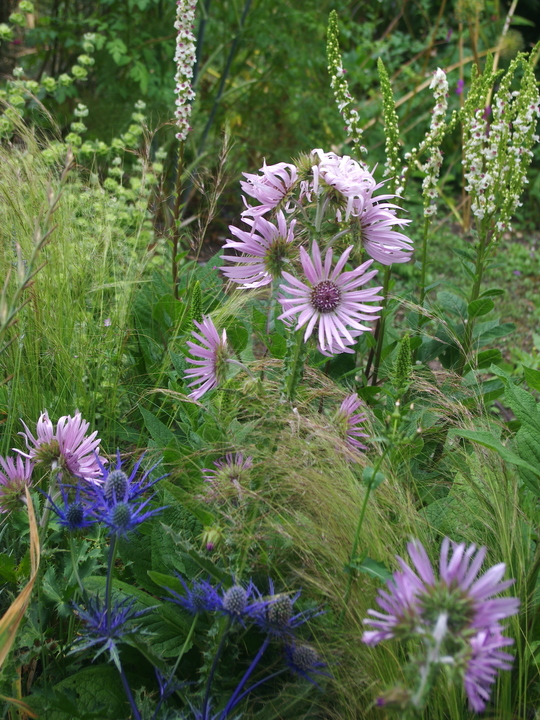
(202, 596)
(266, 249)
(211, 358)
(304, 660)
(66, 449)
(279, 618)
(103, 628)
(348, 422)
(75, 511)
(15, 475)
(117, 501)
(272, 189)
(330, 299)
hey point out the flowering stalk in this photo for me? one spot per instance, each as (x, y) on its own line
(340, 86)
(185, 61)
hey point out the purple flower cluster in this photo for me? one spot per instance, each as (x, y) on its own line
(416, 599)
(16, 474)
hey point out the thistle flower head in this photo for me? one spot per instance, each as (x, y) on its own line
(415, 599)
(280, 619)
(330, 298)
(15, 475)
(272, 188)
(266, 249)
(304, 660)
(66, 449)
(102, 630)
(485, 660)
(348, 422)
(210, 358)
(229, 477)
(75, 511)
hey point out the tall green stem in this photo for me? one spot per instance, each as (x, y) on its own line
(427, 223)
(380, 328)
(356, 540)
(294, 363)
(483, 246)
(108, 581)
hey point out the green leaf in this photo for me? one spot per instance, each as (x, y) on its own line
(518, 20)
(486, 439)
(186, 500)
(532, 378)
(490, 330)
(480, 307)
(237, 335)
(166, 581)
(372, 480)
(492, 292)
(158, 430)
(118, 51)
(452, 303)
(7, 568)
(523, 405)
(370, 567)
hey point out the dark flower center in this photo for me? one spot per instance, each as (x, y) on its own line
(75, 514)
(325, 296)
(280, 611)
(121, 515)
(234, 600)
(115, 486)
(304, 657)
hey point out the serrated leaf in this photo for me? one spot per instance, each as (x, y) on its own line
(158, 430)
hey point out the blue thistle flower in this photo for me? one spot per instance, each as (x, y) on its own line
(103, 630)
(279, 618)
(304, 660)
(75, 513)
(202, 596)
(118, 498)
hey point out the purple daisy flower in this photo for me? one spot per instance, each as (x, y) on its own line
(331, 299)
(211, 358)
(266, 249)
(68, 449)
(270, 189)
(485, 660)
(16, 474)
(349, 423)
(416, 599)
(380, 241)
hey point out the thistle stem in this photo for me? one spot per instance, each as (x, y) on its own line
(108, 580)
(231, 704)
(129, 694)
(75, 562)
(213, 669)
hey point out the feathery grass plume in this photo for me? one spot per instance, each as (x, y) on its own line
(341, 87)
(391, 131)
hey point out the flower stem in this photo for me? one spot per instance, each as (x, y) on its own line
(176, 218)
(379, 331)
(356, 539)
(423, 273)
(44, 522)
(129, 694)
(294, 364)
(231, 704)
(217, 656)
(74, 562)
(108, 581)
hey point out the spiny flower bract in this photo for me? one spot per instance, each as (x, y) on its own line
(76, 511)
